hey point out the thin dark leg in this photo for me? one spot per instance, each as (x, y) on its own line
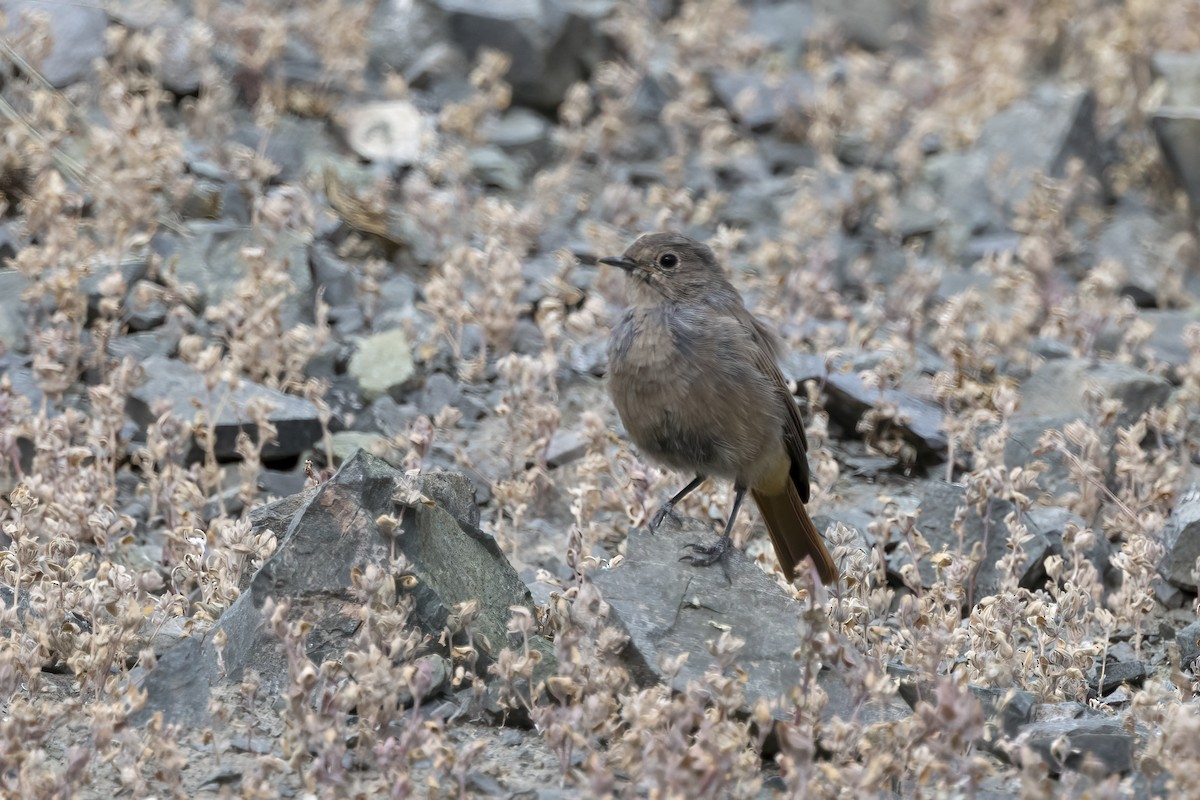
(668, 508)
(703, 555)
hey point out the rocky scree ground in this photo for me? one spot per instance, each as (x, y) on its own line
(312, 488)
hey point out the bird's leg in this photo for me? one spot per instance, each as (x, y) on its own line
(703, 555)
(667, 509)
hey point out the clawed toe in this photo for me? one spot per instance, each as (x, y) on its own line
(664, 511)
(704, 555)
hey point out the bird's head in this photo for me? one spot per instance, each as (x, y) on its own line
(671, 267)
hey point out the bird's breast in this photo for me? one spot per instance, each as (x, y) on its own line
(688, 393)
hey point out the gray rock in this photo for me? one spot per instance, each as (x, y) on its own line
(77, 33)
(521, 133)
(146, 306)
(1168, 595)
(344, 400)
(132, 270)
(1181, 73)
(1065, 743)
(877, 24)
(332, 276)
(209, 259)
(346, 443)
(1058, 387)
(1137, 239)
(1178, 132)
(960, 180)
(276, 484)
(565, 446)
(1166, 344)
(144, 345)
(299, 147)
(1107, 680)
(859, 463)
(382, 363)
(1181, 539)
(553, 43)
(495, 168)
(399, 36)
(528, 338)
(760, 101)
(184, 53)
(940, 502)
(333, 532)
(454, 492)
(1020, 449)
(12, 241)
(1007, 710)
(388, 417)
(296, 419)
(440, 68)
(670, 608)
(397, 306)
(1051, 522)
(1042, 134)
(1038, 135)
(784, 28)
(14, 311)
(1188, 641)
(439, 391)
(919, 420)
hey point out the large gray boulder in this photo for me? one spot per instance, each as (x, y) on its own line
(324, 536)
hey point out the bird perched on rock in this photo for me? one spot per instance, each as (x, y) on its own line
(695, 378)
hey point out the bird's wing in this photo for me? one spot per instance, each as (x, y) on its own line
(766, 360)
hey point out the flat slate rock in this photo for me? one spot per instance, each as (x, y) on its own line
(297, 420)
(668, 608)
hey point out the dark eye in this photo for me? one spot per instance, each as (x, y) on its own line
(668, 260)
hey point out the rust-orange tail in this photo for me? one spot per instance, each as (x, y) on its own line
(793, 533)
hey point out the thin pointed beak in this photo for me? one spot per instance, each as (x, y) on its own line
(624, 262)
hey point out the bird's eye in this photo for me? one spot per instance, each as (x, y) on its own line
(668, 260)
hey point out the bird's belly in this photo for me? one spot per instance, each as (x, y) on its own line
(687, 419)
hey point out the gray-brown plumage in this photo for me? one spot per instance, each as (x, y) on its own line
(694, 376)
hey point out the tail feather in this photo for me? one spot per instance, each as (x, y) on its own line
(793, 533)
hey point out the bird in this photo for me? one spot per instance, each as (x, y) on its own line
(696, 382)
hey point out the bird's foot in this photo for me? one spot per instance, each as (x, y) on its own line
(705, 555)
(664, 511)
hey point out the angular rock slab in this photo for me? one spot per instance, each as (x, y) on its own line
(1059, 386)
(1065, 743)
(77, 35)
(920, 420)
(668, 607)
(1041, 134)
(297, 421)
(209, 258)
(1178, 133)
(1182, 539)
(940, 502)
(1181, 72)
(332, 533)
(553, 43)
